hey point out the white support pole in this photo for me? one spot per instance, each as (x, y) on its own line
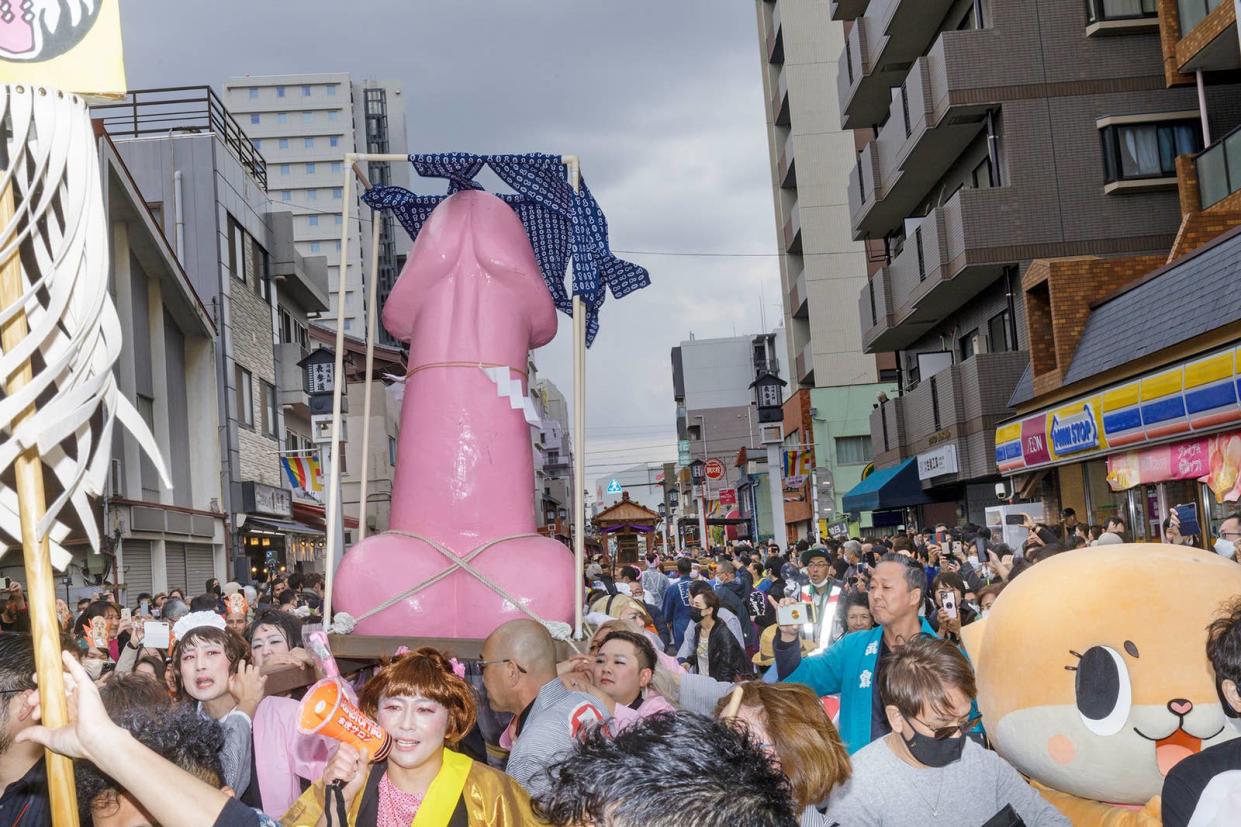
(579, 428)
(372, 312)
(334, 510)
(775, 479)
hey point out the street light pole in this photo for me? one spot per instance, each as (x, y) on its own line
(702, 500)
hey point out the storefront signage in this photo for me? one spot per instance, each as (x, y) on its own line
(942, 460)
(728, 496)
(1198, 395)
(257, 498)
(1076, 432)
(1214, 460)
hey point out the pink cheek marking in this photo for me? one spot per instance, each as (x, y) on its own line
(1061, 749)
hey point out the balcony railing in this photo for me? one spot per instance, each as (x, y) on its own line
(775, 37)
(181, 109)
(791, 231)
(780, 100)
(1193, 12)
(786, 163)
(797, 297)
(1102, 11)
(1219, 169)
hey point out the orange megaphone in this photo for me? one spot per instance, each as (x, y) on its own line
(326, 711)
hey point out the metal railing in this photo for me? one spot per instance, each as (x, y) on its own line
(181, 109)
(1219, 169)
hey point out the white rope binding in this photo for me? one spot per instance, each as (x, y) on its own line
(60, 227)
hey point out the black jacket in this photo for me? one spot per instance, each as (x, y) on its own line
(726, 662)
(732, 597)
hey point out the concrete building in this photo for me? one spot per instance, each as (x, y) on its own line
(556, 441)
(304, 125)
(159, 537)
(821, 268)
(994, 132)
(1131, 396)
(716, 417)
(206, 184)
(644, 483)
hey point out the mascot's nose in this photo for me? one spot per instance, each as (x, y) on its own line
(1180, 706)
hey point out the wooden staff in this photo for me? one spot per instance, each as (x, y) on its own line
(40, 586)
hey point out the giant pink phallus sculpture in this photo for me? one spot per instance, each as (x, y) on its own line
(471, 304)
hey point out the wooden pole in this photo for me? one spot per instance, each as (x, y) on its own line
(579, 431)
(40, 585)
(372, 314)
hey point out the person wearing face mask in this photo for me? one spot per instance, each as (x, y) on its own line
(714, 650)
(1229, 537)
(824, 593)
(927, 771)
(426, 709)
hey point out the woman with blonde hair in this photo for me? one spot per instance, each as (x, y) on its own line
(427, 709)
(788, 721)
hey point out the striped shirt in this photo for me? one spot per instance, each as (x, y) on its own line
(553, 719)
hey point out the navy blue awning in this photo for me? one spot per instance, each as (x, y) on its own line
(895, 487)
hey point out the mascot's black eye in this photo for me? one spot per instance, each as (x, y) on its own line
(1104, 693)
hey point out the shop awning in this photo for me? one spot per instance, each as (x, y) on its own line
(895, 487)
(281, 526)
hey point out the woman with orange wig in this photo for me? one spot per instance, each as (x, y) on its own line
(426, 709)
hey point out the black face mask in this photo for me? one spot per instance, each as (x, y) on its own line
(934, 752)
(695, 615)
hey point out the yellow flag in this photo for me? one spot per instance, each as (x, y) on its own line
(70, 45)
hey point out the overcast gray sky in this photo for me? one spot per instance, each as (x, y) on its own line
(662, 99)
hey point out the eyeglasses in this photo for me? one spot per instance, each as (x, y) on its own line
(1226, 534)
(952, 730)
(483, 664)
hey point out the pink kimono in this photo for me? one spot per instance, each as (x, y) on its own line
(282, 754)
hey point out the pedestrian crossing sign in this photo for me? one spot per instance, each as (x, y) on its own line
(614, 487)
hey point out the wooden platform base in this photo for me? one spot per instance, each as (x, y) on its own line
(355, 652)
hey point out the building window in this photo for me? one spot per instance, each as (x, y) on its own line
(981, 175)
(257, 143)
(307, 117)
(314, 220)
(236, 250)
(331, 115)
(905, 109)
(1099, 10)
(284, 143)
(308, 143)
(1147, 150)
(921, 255)
(338, 220)
(245, 395)
(883, 419)
(331, 90)
(334, 140)
(392, 451)
(282, 117)
(280, 91)
(314, 246)
(853, 450)
(312, 195)
(935, 402)
(305, 91)
(254, 93)
(337, 193)
(256, 117)
(336, 244)
(284, 169)
(998, 328)
(966, 345)
(310, 169)
(337, 167)
(267, 399)
(286, 195)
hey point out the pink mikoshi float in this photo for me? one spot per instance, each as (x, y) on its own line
(462, 548)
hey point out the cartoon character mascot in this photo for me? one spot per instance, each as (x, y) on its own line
(1093, 679)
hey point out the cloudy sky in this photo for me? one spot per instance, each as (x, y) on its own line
(662, 100)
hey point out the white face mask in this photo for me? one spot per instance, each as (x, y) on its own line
(1226, 548)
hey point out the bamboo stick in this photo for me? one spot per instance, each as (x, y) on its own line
(40, 585)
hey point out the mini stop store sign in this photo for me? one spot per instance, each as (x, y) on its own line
(714, 469)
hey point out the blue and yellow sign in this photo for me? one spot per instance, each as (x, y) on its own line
(1196, 396)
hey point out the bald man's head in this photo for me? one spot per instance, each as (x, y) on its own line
(519, 657)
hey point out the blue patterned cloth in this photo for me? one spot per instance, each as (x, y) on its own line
(561, 224)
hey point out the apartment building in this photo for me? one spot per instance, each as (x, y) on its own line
(304, 125)
(992, 133)
(555, 497)
(822, 268)
(1131, 404)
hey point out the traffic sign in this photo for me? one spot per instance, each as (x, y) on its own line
(715, 469)
(728, 496)
(614, 487)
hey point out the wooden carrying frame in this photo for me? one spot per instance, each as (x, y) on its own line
(353, 161)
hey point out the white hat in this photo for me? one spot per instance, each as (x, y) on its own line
(195, 619)
(1110, 538)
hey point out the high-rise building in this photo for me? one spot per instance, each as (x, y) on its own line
(1132, 399)
(304, 125)
(822, 267)
(992, 133)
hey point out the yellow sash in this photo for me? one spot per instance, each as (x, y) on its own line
(445, 791)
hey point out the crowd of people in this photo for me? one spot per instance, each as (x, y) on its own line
(825, 684)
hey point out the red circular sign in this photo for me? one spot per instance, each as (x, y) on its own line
(714, 469)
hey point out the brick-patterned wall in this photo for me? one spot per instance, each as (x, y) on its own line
(1071, 286)
(1221, 20)
(252, 348)
(1200, 226)
(1169, 37)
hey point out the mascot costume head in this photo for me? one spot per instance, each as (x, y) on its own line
(1092, 673)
